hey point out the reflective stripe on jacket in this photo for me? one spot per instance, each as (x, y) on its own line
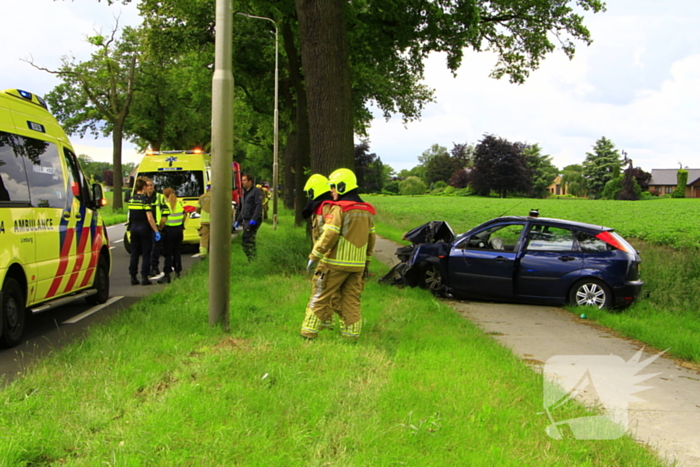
(348, 237)
(138, 207)
(177, 216)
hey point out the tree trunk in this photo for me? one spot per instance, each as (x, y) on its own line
(301, 156)
(117, 136)
(325, 59)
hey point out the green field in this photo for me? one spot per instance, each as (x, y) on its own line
(664, 231)
(665, 221)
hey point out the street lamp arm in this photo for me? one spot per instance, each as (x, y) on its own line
(258, 17)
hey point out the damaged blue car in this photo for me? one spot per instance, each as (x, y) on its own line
(525, 259)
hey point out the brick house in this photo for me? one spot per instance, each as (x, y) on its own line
(664, 181)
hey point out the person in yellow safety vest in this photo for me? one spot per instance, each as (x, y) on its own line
(266, 195)
(204, 209)
(343, 252)
(161, 211)
(174, 228)
(320, 202)
(143, 229)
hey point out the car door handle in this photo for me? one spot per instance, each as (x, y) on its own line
(66, 215)
(566, 258)
(500, 259)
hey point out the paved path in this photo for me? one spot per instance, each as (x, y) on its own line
(669, 417)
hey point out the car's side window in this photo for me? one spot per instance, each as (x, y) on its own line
(499, 237)
(546, 238)
(591, 244)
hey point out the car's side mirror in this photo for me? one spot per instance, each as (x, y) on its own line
(98, 196)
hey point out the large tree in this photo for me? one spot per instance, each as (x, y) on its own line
(601, 166)
(500, 167)
(573, 181)
(96, 95)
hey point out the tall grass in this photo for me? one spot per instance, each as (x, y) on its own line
(157, 386)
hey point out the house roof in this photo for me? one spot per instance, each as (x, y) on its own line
(669, 176)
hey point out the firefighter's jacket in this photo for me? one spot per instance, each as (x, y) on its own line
(317, 219)
(348, 237)
(204, 208)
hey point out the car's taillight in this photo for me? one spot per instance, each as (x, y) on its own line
(611, 240)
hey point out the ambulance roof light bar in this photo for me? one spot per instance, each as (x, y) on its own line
(151, 152)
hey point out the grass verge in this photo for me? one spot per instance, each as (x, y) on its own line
(157, 386)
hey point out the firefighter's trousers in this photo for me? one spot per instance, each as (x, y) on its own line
(328, 283)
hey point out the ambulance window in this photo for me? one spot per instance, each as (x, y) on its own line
(44, 172)
(13, 180)
(75, 175)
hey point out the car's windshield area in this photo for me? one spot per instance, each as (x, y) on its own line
(498, 237)
(187, 184)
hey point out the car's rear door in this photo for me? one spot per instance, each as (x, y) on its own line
(483, 264)
(550, 262)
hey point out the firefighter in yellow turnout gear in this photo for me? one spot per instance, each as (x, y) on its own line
(343, 252)
(320, 203)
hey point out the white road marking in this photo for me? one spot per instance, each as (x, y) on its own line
(118, 241)
(92, 310)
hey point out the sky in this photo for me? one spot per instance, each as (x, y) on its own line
(638, 85)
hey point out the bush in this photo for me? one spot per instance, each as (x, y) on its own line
(612, 188)
(682, 178)
(391, 187)
(412, 186)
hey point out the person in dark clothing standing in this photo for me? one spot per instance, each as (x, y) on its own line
(144, 231)
(250, 215)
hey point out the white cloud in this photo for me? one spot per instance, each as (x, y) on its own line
(45, 31)
(636, 85)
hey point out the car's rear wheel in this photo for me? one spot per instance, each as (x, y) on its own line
(432, 279)
(12, 313)
(591, 292)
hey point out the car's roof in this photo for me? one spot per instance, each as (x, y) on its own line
(549, 221)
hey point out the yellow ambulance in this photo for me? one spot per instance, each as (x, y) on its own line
(186, 172)
(53, 243)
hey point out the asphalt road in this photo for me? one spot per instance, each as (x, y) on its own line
(53, 329)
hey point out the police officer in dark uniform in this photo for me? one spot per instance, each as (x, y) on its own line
(144, 231)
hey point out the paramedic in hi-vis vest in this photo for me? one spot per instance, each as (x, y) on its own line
(144, 231)
(343, 252)
(174, 228)
(160, 213)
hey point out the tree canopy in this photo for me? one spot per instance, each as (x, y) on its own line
(500, 166)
